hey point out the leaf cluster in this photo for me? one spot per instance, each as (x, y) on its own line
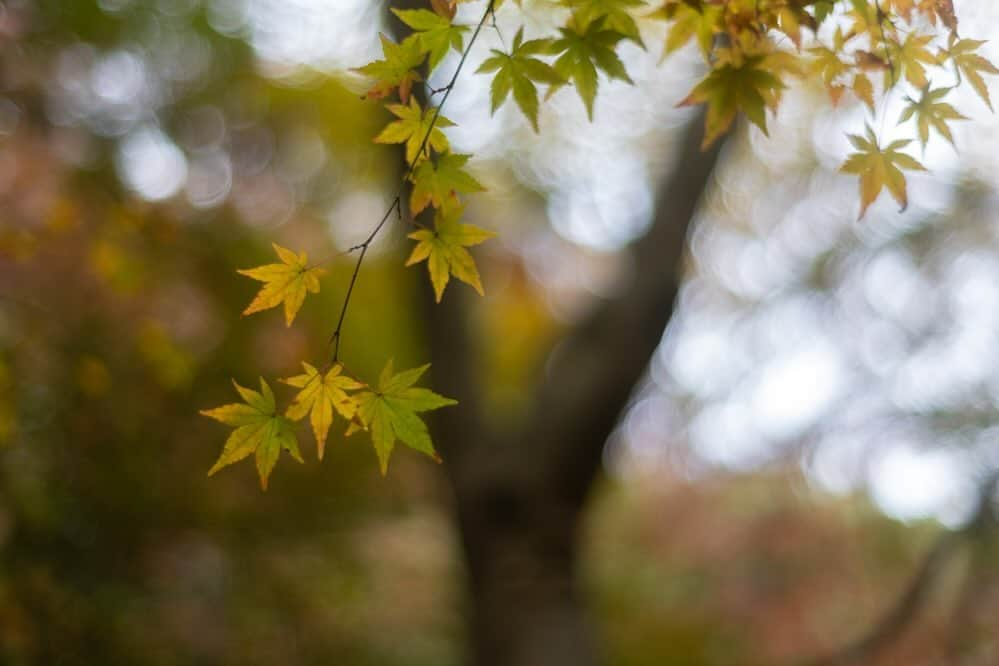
(389, 413)
(751, 50)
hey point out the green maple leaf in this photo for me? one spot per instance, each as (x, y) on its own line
(437, 183)
(259, 430)
(583, 52)
(748, 85)
(397, 70)
(613, 12)
(415, 125)
(286, 283)
(970, 65)
(391, 413)
(321, 395)
(879, 168)
(435, 33)
(929, 110)
(518, 72)
(443, 248)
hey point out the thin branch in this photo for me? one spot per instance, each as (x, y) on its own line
(396, 204)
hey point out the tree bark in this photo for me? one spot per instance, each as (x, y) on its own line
(519, 499)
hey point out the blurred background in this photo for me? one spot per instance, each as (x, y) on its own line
(800, 469)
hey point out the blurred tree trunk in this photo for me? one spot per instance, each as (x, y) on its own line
(519, 496)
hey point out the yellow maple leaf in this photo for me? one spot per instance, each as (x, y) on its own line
(748, 84)
(286, 283)
(443, 248)
(319, 396)
(879, 168)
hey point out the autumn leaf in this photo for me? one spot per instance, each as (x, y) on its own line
(518, 72)
(790, 18)
(864, 90)
(689, 21)
(399, 69)
(415, 125)
(879, 168)
(908, 59)
(437, 183)
(259, 430)
(583, 52)
(749, 86)
(286, 283)
(443, 248)
(319, 396)
(970, 65)
(390, 413)
(434, 32)
(945, 10)
(827, 62)
(929, 111)
(614, 14)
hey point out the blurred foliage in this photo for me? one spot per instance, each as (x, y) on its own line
(119, 320)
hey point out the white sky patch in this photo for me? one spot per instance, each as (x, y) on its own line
(150, 163)
(794, 391)
(836, 465)
(912, 484)
(724, 435)
(353, 217)
(330, 34)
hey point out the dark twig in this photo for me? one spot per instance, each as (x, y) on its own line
(396, 204)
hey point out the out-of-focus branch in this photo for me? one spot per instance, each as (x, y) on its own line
(898, 617)
(595, 369)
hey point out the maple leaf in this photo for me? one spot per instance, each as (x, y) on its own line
(415, 125)
(390, 413)
(446, 8)
(443, 248)
(864, 90)
(929, 110)
(945, 11)
(970, 65)
(908, 58)
(259, 429)
(790, 16)
(689, 21)
(821, 9)
(319, 396)
(517, 71)
(748, 85)
(435, 33)
(828, 62)
(879, 168)
(613, 12)
(868, 18)
(286, 283)
(437, 183)
(582, 53)
(942, 10)
(397, 70)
